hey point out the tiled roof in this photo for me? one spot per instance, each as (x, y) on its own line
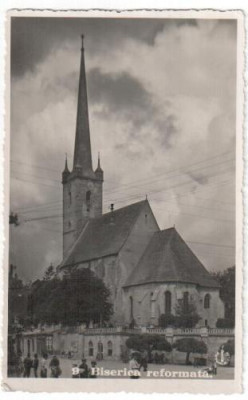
(167, 258)
(105, 235)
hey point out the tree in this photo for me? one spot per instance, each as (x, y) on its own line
(190, 345)
(226, 280)
(187, 317)
(17, 300)
(229, 347)
(166, 320)
(79, 297)
(49, 273)
(148, 343)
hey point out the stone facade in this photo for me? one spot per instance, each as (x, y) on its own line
(145, 303)
(109, 343)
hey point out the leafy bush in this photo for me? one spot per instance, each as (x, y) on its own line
(225, 323)
(190, 345)
(148, 343)
(166, 320)
(229, 347)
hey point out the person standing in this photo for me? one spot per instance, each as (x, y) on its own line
(27, 366)
(55, 368)
(83, 369)
(35, 365)
(43, 370)
(134, 367)
(92, 370)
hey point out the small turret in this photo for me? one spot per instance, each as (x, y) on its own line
(99, 171)
(66, 172)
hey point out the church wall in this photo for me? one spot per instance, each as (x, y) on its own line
(148, 302)
(141, 234)
(216, 310)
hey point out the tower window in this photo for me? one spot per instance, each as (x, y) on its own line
(207, 301)
(69, 194)
(88, 197)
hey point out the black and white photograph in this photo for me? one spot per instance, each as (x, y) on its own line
(123, 208)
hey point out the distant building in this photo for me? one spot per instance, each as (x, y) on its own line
(148, 271)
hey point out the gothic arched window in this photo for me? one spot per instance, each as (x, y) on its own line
(99, 351)
(131, 307)
(207, 301)
(88, 196)
(186, 302)
(152, 305)
(110, 348)
(91, 349)
(167, 298)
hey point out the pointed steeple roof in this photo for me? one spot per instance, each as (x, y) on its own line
(82, 152)
(99, 171)
(66, 171)
(99, 164)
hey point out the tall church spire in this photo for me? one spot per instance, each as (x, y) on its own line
(82, 153)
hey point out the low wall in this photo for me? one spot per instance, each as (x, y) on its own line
(108, 343)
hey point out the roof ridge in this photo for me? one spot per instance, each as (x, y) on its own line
(172, 228)
(122, 208)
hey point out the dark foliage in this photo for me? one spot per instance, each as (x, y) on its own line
(190, 345)
(184, 318)
(226, 280)
(166, 320)
(225, 323)
(229, 347)
(148, 342)
(79, 297)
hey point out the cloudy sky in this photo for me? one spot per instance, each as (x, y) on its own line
(162, 114)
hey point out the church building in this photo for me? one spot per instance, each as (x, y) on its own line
(148, 271)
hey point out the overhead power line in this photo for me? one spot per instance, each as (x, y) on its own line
(211, 244)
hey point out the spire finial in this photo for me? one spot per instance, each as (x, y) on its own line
(66, 166)
(82, 37)
(98, 163)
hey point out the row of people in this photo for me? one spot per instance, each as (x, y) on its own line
(30, 364)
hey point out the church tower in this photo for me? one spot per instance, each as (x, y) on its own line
(82, 187)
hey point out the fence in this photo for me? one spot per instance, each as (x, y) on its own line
(203, 332)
